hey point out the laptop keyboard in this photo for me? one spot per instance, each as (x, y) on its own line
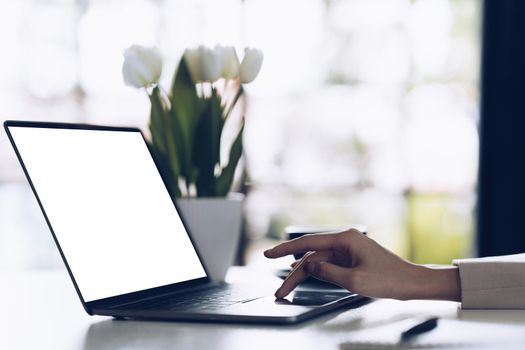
(209, 299)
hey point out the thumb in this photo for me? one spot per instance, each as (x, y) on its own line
(329, 272)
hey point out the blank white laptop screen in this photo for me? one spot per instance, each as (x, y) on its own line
(109, 209)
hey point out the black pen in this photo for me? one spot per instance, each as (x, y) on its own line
(420, 328)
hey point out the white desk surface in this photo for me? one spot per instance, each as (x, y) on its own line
(40, 310)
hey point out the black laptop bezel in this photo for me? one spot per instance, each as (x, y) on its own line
(118, 299)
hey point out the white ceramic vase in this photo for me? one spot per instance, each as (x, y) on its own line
(214, 224)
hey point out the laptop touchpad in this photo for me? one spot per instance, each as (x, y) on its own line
(295, 304)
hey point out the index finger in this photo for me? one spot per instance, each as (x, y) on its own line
(306, 243)
(298, 273)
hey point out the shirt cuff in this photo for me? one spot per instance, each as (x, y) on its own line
(492, 282)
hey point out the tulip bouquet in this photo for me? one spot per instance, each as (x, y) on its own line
(187, 122)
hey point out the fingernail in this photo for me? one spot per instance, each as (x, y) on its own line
(278, 294)
(267, 252)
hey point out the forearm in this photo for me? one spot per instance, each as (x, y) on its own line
(437, 283)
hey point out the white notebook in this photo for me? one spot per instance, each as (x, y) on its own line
(449, 334)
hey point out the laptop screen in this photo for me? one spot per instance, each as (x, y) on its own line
(110, 211)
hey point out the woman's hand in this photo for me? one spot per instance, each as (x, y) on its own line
(358, 263)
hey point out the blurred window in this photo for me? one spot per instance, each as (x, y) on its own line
(365, 111)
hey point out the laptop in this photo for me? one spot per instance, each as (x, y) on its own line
(125, 246)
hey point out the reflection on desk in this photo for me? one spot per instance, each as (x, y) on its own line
(41, 310)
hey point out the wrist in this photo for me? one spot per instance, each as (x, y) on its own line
(437, 283)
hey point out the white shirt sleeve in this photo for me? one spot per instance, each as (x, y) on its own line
(493, 282)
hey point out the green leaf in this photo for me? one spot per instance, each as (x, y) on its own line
(225, 180)
(165, 171)
(163, 138)
(156, 126)
(175, 141)
(206, 146)
(217, 124)
(186, 109)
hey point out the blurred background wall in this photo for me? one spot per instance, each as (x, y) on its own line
(365, 111)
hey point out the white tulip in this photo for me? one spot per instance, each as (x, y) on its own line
(230, 61)
(250, 65)
(142, 66)
(204, 64)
